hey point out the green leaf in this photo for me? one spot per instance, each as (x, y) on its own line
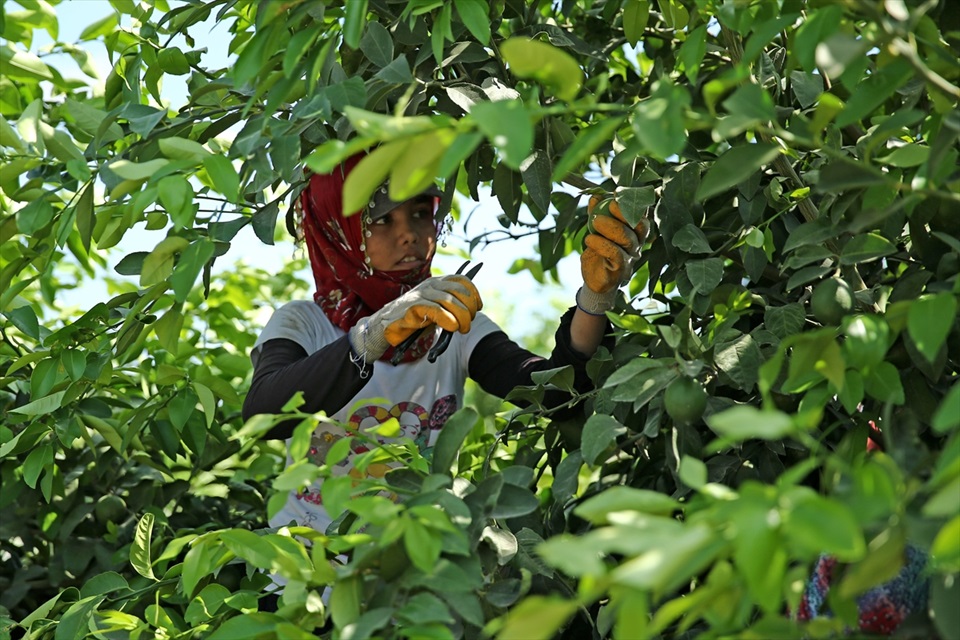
(693, 472)
(84, 217)
(735, 166)
(947, 416)
(246, 627)
(807, 87)
(621, 498)
(369, 174)
(397, 72)
(740, 359)
(866, 248)
(176, 196)
(535, 171)
(705, 274)
(76, 620)
(636, 15)
(874, 90)
(223, 175)
(23, 65)
(416, 169)
(140, 553)
(537, 617)
(513, 501)
(168, 329)
(506, 124)
(691, 240)
(820, 525)
(670, 564)
(39, 459)
(137, 170)
(819, 25)
(421, 545)
(786, 320)
(41, 406)
(600, 432)
(658, 122)
(946, 547)
(910, 155)
(929, 322)
(106, 582)
(882, 564)
(476, 16)
(173, 61)
(192, 260)
(25, 319)
(692, 51)
(158, 265)
(451, 438)
(35, 216)
(867, 338)
(354, 21)
(587, 142)
(744, 422)
(377, 44)
(883, 383)
(183, 149)
(554, 68)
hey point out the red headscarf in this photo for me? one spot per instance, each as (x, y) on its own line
(348, 289)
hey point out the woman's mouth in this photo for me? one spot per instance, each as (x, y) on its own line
(409, 262)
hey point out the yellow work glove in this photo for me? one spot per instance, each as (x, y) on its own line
(607, 262)
(450, 302)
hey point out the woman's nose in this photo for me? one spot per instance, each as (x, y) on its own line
(406, 231)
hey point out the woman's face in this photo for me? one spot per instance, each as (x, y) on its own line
(405, 238)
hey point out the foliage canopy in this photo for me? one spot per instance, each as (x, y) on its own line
(776, 146)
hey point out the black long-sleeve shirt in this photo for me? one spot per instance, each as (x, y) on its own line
(330, 377)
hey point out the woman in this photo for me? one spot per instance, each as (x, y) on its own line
(374, 291)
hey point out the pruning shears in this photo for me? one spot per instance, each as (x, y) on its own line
(443, 340)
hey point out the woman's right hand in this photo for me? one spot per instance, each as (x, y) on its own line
(451, 302)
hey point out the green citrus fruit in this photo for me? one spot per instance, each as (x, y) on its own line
(110, 508)
(831, 300)
(685, 400)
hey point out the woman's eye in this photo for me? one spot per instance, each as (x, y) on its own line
(381, 221)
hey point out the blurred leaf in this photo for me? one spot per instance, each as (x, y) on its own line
(947, 417)
(929, 322)
(506, 124)
(744, 422)
(820, 525)
(537, 617)
(556, 69)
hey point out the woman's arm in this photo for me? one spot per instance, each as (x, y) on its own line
(587, 332)
(328, 378)
(499, 365)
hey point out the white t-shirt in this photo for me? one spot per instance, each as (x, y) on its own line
(422, 395)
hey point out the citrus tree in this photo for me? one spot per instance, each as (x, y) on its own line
(797, 163)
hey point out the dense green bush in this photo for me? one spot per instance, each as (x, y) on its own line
(798, 162)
